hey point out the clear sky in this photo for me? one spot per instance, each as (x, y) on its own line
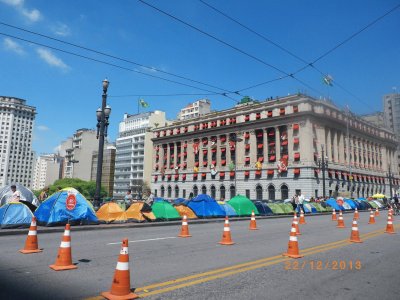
(66, 89)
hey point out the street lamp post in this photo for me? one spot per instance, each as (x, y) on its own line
(323, 165)
(102, 115)
(390, 183)
(236, 140)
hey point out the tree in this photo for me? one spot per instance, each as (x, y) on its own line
(86, 188)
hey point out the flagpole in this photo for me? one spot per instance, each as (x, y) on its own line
(138, 103)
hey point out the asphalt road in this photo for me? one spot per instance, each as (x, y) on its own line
(166, 267)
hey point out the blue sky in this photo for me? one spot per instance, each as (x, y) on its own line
(67, 89)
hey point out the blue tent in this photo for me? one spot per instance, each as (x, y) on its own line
(350, 202)
(67, 205)
(180, 201)
(307, 209)
(362, 199)
(204, 206)
(263, 208)
(15, 215)
(313, 208)
(332, 203)
(229, 210)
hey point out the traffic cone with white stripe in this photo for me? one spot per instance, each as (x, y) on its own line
(121, 284)
(340, 220)
(377, 214)
(389, 226)
(31, 243)
(253, 224)
(296, 224)
(302, 220)
(185, 228)
(293, 246)
(371, 217)
(356, 215)
(226, 236)
(334, 218)
(64, 256)
(355, 236)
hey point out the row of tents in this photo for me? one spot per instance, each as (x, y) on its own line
(68, 205)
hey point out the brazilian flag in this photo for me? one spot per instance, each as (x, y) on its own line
(143, 103)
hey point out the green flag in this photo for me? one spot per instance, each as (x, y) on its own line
(143, 103)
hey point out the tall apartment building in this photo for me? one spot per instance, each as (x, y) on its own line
(195, 109)
(48, 168)
(391, 109)
(108, 170)
(78, 154)
(16, 126)
(378, 119)
(134, 151)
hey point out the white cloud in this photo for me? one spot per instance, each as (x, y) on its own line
(61, 29)
(51, 59)
(42, 128)
(13, 46)
(32, 15)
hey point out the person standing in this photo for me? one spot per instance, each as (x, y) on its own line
(16, 195)
(128, 198)
(301, 201)
(44, 194)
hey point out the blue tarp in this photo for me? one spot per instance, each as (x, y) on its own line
(54, 211)
(229, 210)
(352, 204)
(313, 208)
(15, 215)
(180, 201)
(204, 206)
(263, 208)
(332, 203)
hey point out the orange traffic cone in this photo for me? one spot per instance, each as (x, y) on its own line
(334, 218)
(356, 215)
(302, 220)
(64, 257)
(226, 236)
(185, 228)
(296, 224)
(31, 243)
(121, 284)
(371, 218)
(389, 226)
(377, 214)
(355, 236)
(340, 223)
(253, 224)
(293, 246)
(390, 211)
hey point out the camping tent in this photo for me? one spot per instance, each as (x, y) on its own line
(228, 209)
(243, 206)
(67, 205)
(263, 208)
(373, 204)
(140, 212)
(313, 208)
(352, 203)
(183, 210)
(111, 212)
(163, 210)
(180, 201)
(286, 207)
(276, 209)
(362, 205)
(347, 206)
(380, 205)
(15, 215)
(307, 208)
(319, 207)
(378, 196)
(26, 194)
(204, 206)
(332, 203)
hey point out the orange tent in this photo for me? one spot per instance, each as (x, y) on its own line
(184, 210)
(134, 213)
(111, 212)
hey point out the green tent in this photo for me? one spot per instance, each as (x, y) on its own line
(163, 210)
(243, 206)
(373, 204)
(319, 207)
(286, 207)
(276, 209)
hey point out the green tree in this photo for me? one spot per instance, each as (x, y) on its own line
(86, 188)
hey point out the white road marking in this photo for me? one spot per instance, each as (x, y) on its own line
(137, 241)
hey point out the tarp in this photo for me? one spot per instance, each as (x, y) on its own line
(139, 212)
(67, 205)
(15, 215)
(276, 209)
(243, 206)
(26, 194)
(183, 210)
(111, 212)
(163, 210)
(229, 210)
(332, 203)
(263, 208)
(204, 206)
(352, 204)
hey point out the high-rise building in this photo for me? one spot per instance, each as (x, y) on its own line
(391, 109)
(107, 175)
(48, 168)
(134, 152)
(16, 126)
(378, 119)
(195, 109)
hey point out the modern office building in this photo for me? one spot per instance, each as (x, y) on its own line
(107, 175)
(273, 149)
(48, 168)
(195, 109)
(391, 109)
(133, 159)
(16, 127)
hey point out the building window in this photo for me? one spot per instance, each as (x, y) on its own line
(271, 192)
(232, 190)
(204, 189)
(195, 191)
(162, 191)
(213, 192)
(176, 191)
(316, 193)
(285, 192)
(248, 194)
(259, 192)
(184, 194)
(222, 193)
(155, 193)
(169, 191)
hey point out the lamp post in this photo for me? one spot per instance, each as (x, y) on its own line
(389, 175)
(102, 115)
(323, 164)
(236, 139)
